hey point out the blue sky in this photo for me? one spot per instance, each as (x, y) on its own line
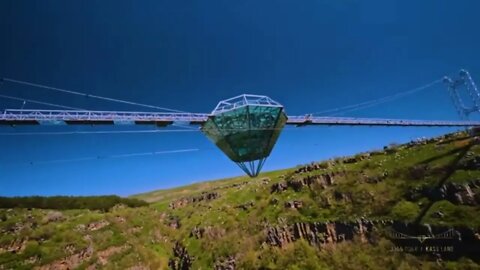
(187, 55)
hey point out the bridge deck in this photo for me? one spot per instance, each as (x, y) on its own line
(71, 117)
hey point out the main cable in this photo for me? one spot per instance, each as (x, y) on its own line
(88, 95)
(41, 102)
(371, 103)
(116, 156)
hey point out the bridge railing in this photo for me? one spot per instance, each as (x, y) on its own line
(71, 115)
(351, 121)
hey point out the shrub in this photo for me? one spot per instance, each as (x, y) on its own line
(3, 217)
(103, 203)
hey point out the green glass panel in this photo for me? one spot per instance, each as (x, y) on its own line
(247, 133)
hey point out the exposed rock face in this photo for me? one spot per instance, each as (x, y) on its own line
(294, 204)
(174, 223)
(318, 233)
(278, 187)
(208, 231)
(313, 167)
(205, 196)
(179, 203)
(15, 246)
(71, 262)
(356, 158)
(455, 193)
(53, 216)
(225, 264)
(324, 180)
(182, 260)
(95, 226)
(464, 240)
(297, 183)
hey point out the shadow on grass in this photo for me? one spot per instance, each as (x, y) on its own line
(450, 169)
(449, 153)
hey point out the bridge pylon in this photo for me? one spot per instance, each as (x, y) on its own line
(463, 83)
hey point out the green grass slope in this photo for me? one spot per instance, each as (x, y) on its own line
(326, 215)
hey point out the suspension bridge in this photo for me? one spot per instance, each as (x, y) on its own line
(244, 127)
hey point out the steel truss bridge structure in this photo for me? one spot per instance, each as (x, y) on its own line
(245, 127)
(58, 117)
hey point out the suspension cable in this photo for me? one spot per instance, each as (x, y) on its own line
(41, 102)
(116, 156)
(87, 95)
(371, 103)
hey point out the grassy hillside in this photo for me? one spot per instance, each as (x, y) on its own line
(346, 213)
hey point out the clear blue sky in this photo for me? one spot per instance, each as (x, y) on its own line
(308, 55)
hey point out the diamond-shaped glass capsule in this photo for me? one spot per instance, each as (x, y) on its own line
(246, 128)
